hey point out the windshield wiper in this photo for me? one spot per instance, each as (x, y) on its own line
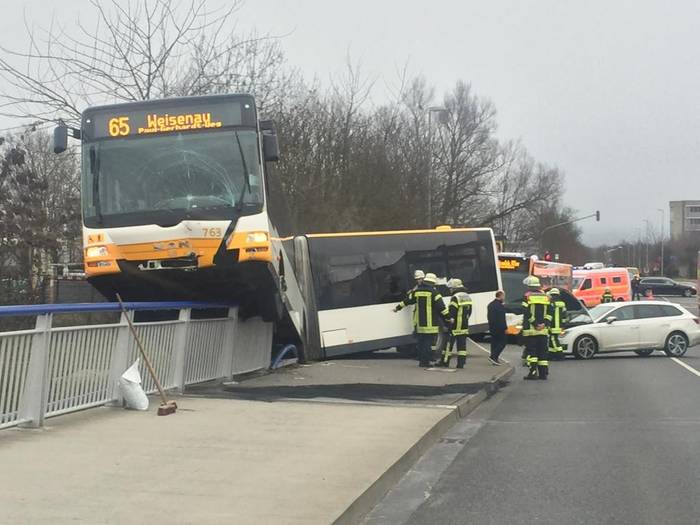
(246, 182)
(95, 172)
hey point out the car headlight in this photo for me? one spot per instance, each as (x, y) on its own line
(254, 237)
(96, 251)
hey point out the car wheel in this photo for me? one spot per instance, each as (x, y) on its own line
(646, 352)
(676, 344)
(585, 347)
(687, 293)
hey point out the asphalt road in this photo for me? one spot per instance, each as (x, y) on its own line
(690, 303)
(611, 440)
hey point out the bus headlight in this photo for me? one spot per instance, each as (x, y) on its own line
(256, 237)
(96, 251)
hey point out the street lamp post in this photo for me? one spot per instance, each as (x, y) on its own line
(646, 241)
(663, 219)
(441, 111)
(608, 253)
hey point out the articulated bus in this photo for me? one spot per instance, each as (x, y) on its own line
(359, 278)
(179, 201)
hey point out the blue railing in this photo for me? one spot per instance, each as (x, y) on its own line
(68, 308)
(50, 370)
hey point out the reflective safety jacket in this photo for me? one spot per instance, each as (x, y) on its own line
(429, 306)
(460, 309)
(409, 300)
(607, 298)
(557, 311)
(536, 305)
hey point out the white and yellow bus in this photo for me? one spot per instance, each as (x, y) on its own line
(359, 277)
(179, 202)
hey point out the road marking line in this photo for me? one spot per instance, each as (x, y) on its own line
(687, 367)
(479, 346)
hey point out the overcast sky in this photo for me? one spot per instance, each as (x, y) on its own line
(609, 91)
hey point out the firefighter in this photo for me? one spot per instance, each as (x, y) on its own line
(557, 311)
(418, 276)
(536, 321)
(429, 307)
(607, 297)
(460, 309)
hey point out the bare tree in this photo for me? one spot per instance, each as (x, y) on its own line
(39, 210)
(137, 50)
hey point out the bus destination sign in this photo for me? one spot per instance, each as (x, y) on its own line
(509, 264)
(157, 120)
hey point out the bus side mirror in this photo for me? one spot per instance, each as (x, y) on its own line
(271, 148)
(60, 138)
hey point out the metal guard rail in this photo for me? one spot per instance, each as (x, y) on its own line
(51, 370)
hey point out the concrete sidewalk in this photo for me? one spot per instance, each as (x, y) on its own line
(323, 446)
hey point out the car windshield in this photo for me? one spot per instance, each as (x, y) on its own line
(600, 311)
(167, 178)
(576, 284)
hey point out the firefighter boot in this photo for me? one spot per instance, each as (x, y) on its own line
(542, 371)
(460, 361)
(445, 361)
(532, 374)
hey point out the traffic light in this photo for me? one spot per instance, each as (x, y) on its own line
(597, 215)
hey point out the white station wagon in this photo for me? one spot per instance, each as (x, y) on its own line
(640, 327)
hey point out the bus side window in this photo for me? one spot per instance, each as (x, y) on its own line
(389, 275)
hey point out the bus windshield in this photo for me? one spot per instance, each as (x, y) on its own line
(164, 179)
(513, 271)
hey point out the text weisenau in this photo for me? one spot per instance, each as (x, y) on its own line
(164, 123)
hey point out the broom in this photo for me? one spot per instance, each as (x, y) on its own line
(166, 407)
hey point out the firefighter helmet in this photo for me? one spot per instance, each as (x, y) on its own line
(531, 281)
(418, 274)
(553, 291)
(454, 283)
(430, 278)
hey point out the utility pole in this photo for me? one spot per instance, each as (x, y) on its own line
(663, 219)
(442, 113)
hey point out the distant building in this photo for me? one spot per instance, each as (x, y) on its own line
(685, 218)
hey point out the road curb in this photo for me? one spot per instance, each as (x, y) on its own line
(376, 491)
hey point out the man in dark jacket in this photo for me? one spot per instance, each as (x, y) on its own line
(497, 327)
(636, 283)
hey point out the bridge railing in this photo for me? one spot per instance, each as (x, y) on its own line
(51, 370)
